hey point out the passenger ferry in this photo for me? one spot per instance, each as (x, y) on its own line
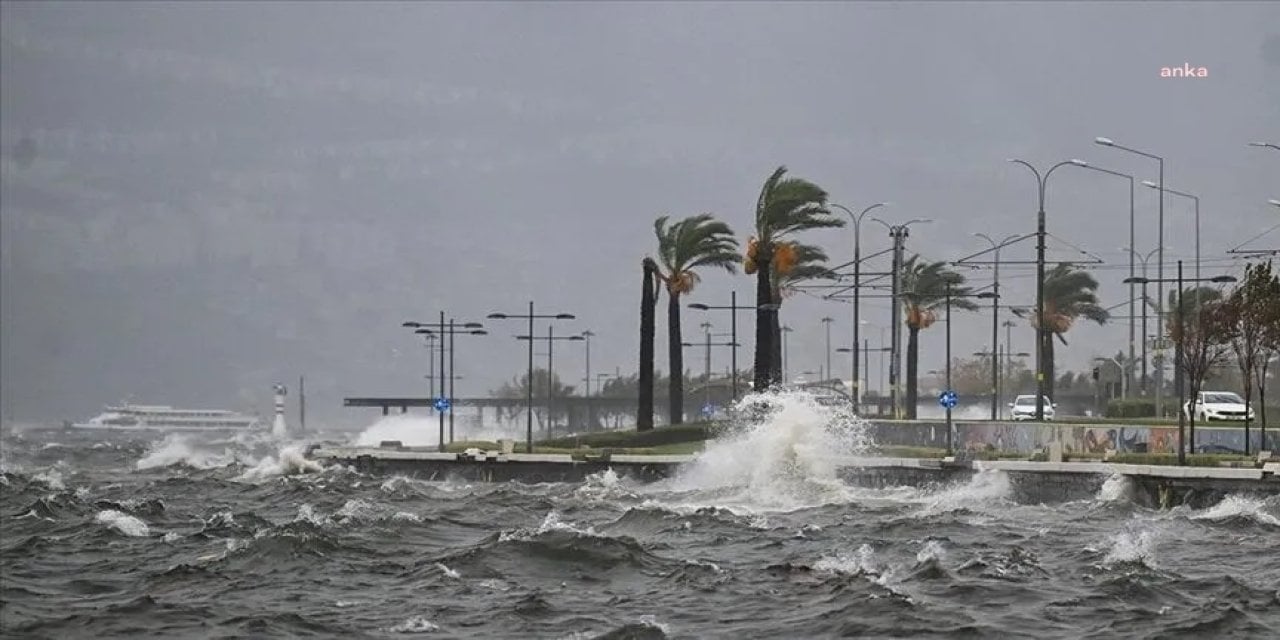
(138, 417)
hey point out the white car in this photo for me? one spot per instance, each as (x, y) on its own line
(1024, 408)
(1218, 405)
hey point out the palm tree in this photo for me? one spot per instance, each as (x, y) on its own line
(785, 206)
(696, 241)
(924, 290)
(648, 304)
(810, 264)
(1069, 293)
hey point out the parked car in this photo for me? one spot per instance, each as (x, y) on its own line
(1024, 408)
(1217, 405)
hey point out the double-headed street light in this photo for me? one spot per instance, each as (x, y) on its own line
(995, 316)
(1132, 233)
(440, 330)
(1177, 358)
(733, 309)
(551, 340)
(857, 283)
(530, 316)
(1107, 142)
(1042, 337)
(1146, 305)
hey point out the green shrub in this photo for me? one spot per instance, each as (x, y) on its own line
(1131, 408)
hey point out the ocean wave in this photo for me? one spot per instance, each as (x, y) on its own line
(290, 461)
(415, 624)
(1240, 509)
(123, 523)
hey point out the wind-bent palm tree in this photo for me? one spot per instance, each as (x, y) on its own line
(683, 247)
(785, 206)
(1069, 293)
(810, 264)
(924, 291)
(648, 304)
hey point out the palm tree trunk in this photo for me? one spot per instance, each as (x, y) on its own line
(764, 367)
(675, 400)
(913, 361)
(648, 302)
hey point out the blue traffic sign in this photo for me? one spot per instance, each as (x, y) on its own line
(948, 399)
(708, 410)
(442, 404)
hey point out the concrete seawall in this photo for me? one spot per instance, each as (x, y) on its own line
(1030, 482)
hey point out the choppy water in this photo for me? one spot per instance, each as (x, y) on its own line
(169, 538)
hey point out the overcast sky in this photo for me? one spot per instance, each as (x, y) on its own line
(227, 195)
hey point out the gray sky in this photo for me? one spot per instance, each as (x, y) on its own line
(227, 195)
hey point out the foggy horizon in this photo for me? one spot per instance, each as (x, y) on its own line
(226, 196)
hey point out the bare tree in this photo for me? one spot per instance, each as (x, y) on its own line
(1245, 316)
(1204, 331)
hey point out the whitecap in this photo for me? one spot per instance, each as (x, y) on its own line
(416, 624)
(123, 523)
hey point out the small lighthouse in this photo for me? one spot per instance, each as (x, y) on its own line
(278, 428)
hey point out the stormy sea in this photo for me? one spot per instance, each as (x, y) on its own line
(113, 535)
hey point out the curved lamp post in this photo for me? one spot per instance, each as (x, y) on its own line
(857, 284)
(1042, 183)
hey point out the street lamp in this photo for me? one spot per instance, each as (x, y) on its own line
(530, 316)
(898, 233)
(1107, 142)
(827, 321)
(707, 344)
(1273, 202)
(857, 284)
(1146, 304)
(440, 330)
(1177, 358)
(995, 317)
(551, 339)
(984, 295)
(1085, 165)
(1194, 198)
(1265, 145)
(473, 331)
(733, 309)
(1042, 337)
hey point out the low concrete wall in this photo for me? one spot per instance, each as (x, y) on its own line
(1026, 437)
(1030, 482)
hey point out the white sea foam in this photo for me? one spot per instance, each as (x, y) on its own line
(447, 571)
(1234, 506)
(785, 461)
(416, 624)
(932, 550)
(177, 449)
(1132, 545)
(290, 461)
(123, 523)
(1117, 488)
(860, 562)
(551, 522)
(51, 478)
(987, 489)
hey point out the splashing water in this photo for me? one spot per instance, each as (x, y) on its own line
(986, 489)
(290, 461)
(1235, 506)
(785, 460)
(1117, 488)
(411, 431)
(1133, 545)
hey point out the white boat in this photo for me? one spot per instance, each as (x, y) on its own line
(138, 417)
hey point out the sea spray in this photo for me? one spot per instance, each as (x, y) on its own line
(1117, 488)
(783, 457)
